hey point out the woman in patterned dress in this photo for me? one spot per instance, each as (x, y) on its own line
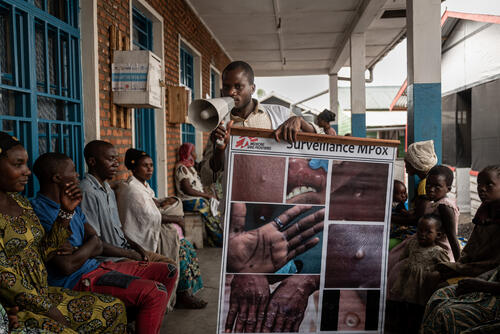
(194, 198)
(25, 247)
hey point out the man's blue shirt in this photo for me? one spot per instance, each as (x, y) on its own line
(47, 210)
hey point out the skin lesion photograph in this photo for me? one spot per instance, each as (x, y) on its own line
(350, 310)
(258, 178)
(354, 256)
(281, 239)
(270, 303)
(358, 191)
(306, 181)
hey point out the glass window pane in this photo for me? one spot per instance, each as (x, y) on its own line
(51, 109)
(40, 57)
(5, 46)
(57, 8)
(42, 138)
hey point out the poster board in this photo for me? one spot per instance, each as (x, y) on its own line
(321, 266)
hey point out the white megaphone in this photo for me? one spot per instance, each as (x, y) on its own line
(206, 115)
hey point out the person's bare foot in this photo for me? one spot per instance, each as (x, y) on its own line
(187, 300)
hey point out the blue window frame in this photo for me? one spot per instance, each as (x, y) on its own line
(188, 133)
(40, 78)
(142, 31)
(187, 70)
(145, 123)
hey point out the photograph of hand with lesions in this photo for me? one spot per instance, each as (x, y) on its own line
(282, 239)
(256, 303)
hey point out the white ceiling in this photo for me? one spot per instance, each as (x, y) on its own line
(299, 37)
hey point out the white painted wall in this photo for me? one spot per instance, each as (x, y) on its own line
(470, 56)
(90, 69)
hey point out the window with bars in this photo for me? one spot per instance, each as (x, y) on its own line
(145, 123)
(40, 78)
(188, 132)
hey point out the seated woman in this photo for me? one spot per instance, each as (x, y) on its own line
(24, 247)
(143, 221)
(324, 119)
(194, 198)
(472, 306)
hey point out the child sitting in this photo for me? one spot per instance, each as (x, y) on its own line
(399, 198)
(439, 181)
(399, 228)
(416, 280)
(481, 253)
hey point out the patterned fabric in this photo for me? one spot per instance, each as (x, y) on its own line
(24, 247)
(212, 224)
(182, 172)
(475, 312)
(189, 269)
(418, 263)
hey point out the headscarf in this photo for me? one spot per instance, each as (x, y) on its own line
(7, 142)
(421, 155)
(132, 157)
(185, 156)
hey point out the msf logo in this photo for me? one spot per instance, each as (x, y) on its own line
(243, 142)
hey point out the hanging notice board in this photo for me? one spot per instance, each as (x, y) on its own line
(306, 233)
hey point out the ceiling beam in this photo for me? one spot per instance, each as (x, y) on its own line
(368, 11)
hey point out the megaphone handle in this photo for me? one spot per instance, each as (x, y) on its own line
(219, 142)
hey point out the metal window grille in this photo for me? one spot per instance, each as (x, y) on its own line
(40, 78)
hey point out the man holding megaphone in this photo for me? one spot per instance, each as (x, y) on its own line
(238, 83)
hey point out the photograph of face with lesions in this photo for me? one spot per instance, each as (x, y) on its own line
(282, 239)
(258, 178)
(306, 182)
(350, 310)
(270, 303)
(354, 256)
(358, 191)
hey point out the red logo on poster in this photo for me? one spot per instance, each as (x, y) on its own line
(243, 142)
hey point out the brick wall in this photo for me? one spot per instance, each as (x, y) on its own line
(178, 19)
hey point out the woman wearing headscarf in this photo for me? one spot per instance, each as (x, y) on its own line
(194, 198)
(24, 250)
(155, 225)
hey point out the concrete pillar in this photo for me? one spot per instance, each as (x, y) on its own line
(423, 21)
(358, 91)
(334, 99)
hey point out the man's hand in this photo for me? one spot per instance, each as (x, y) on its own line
(136, 249)
(289, 129)
(288, 303)
(247, 304)
(221, 134)
(66, 249)
(267, 248)
(70, 196)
